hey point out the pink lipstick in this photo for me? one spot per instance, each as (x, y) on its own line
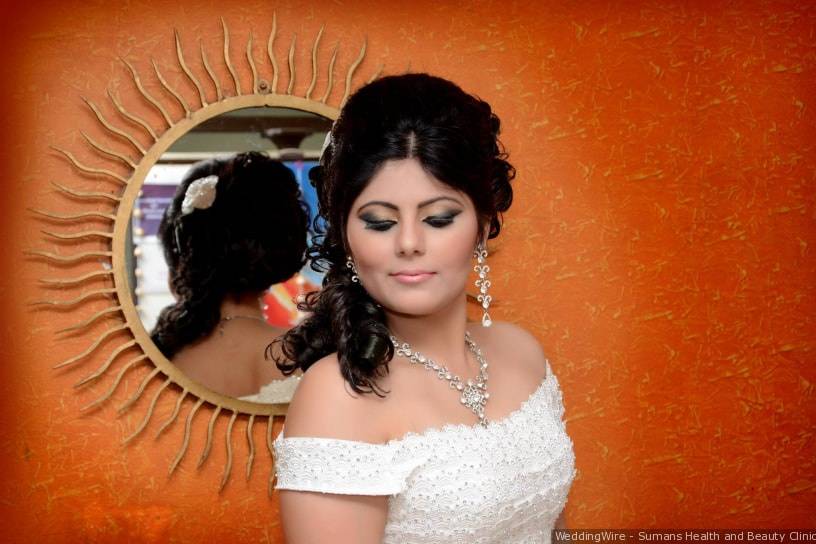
(412, 276)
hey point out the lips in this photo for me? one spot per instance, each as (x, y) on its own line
(412, 276)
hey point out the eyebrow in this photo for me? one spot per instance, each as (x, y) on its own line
(421, 204)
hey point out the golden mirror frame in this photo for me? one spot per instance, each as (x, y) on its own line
(120, 233)
(114, 262)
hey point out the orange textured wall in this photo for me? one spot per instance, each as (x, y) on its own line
(660, 246)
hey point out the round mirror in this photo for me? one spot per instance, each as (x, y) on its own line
(221, 343)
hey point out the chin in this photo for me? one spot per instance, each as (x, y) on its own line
(417, 304)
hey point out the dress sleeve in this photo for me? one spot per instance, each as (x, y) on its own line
(346, 467)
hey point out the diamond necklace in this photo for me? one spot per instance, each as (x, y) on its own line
(474, 395)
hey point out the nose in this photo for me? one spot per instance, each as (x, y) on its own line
(410, 239)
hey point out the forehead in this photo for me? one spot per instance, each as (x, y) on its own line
(405, 182)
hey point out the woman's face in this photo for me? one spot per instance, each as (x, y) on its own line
(412, 238)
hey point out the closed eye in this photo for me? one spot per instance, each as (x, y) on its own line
(440, 221)
(380, 225)
(436, 221)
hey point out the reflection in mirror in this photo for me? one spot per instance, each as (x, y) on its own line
(219, 231)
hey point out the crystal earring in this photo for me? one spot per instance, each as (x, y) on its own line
(350, 264)
(483, 283)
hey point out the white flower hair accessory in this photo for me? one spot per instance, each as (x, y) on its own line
(200, 194)
(326, 142)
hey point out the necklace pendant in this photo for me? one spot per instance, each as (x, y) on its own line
(474, 393)
(474, 398)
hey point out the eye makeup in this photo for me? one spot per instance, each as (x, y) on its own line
(379, 225)
(372, 222)
(443, 219)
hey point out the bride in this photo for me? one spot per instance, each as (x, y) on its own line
(412, 424)
(235, 227)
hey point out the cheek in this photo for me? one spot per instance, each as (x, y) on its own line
(460, 257)
(369, 250)
(455, 252)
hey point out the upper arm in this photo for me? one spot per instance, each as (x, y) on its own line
(323, 407)
(310, 517)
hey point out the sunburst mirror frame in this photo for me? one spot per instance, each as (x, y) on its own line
(113, 260)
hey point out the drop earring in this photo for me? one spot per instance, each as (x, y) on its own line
(483, 283)
(350, 264)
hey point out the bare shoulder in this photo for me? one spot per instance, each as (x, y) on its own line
(324, 405)
(513, 341)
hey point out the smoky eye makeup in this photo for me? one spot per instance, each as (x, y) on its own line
(443, 219)
(438, 220)
(372, 222)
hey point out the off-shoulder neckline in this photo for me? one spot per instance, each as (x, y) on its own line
(435, 431)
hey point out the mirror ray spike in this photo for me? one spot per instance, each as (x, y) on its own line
(141, 389)
(166, 86)
(180, 55)
(130, 117)
(86, 323)
(147, 96)
(208, 444)
(188, 424)
(89, 170)
(235, 80)
(73, 217)
(106, 365)
(112, 129)
(228, 439)
(74, 301)
(105, 151)
(170, 420)
(92, 347)
(150, 408)
(133, 363)
(251, 61)
(250, 445)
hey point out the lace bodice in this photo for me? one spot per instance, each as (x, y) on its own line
(278, 391)
(504, 483)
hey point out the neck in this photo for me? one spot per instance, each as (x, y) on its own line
(440, 336)
(246, 305)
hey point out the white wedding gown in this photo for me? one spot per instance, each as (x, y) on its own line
(505, 483)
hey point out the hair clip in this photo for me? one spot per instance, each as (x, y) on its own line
(176, 228)
(326, 142)
(329, 139)
(200, 194)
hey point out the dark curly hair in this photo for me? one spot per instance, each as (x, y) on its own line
(251, 237)
(455, 137)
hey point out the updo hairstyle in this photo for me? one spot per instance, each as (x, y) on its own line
(251, 237)
(455, 138)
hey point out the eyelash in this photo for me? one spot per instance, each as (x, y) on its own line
(439, 222)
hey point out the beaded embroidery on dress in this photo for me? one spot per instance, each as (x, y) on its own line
(277, 391)
(505, 483)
